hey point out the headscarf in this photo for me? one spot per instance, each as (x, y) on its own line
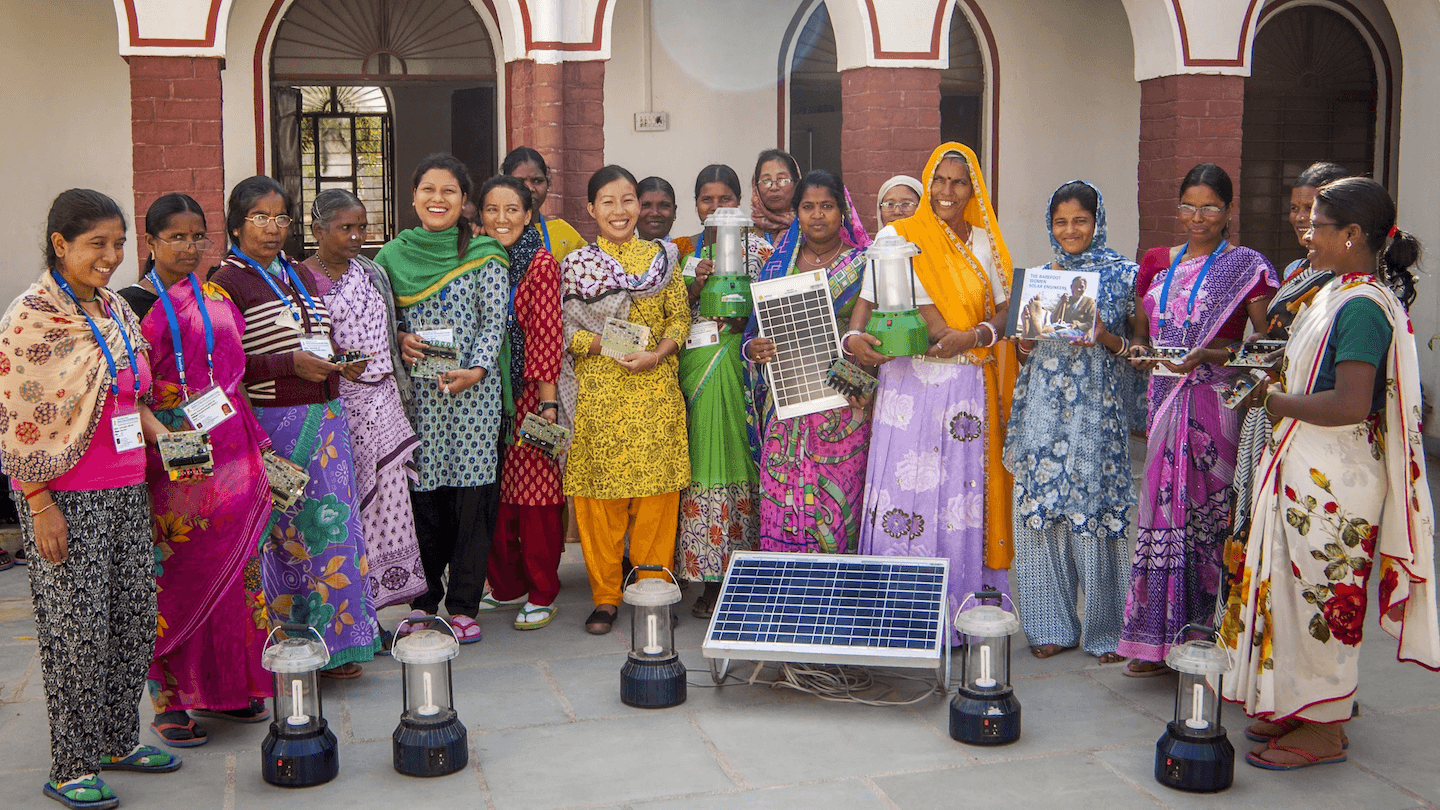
(852, 233)
(421, 262)
(1098, 257)
(898, 180)
(767, 221)
(54, 378)
(512, 349)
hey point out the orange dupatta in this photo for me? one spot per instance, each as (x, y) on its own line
(960, 288)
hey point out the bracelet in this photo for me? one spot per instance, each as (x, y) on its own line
(1022, 351)
(1265, 404)
(994, 335)
(546, 405)
(845, 337)
(1124, 347)
(38, 513)
(37, 492)
(1233, 352)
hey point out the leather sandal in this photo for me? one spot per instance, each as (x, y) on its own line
(600, 622)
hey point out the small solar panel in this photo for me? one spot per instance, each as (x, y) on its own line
(797, 313)
(876, 611)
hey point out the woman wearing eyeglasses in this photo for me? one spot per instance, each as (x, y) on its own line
(898, 198)
(558, 235)
(1196, 295)
(772, 191)
(312, 561)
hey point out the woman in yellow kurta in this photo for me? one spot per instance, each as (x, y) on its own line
(628, 457)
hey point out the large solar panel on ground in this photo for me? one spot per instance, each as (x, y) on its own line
(797, 313)
(877, 611)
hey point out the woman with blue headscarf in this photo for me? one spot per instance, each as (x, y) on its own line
(1067, 446)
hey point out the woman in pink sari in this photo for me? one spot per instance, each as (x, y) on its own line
(207, 530)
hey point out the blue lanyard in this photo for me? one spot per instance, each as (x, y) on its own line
(105, 347)
(1194, 291)
(175, 343)
(700, 243)
(275, 288)
(545, 232)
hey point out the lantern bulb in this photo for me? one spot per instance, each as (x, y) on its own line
(429, 709)
(1197, 719)
(297, 703)
(652, 635)
(985, 681)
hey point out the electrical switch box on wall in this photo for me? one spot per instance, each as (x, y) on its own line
(652, 121)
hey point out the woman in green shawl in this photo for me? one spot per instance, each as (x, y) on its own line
(450, 291)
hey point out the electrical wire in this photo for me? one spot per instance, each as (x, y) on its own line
(845, 684)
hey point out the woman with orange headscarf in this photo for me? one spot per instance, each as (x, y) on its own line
(936, 487)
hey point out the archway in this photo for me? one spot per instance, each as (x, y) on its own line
(814, 91)
(962, 87)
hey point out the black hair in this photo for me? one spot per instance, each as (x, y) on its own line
(1079, 192)
(720, 173)
(659, 184)
(244, 195)
(819, 178)
(776, 154)
(515, 184)
(521, 155)
(330, 202)
(1212, 177)
(1364, 202)
(604, 177)
(1318, 174)
(74, 212)
(451, 164)
(160, 212)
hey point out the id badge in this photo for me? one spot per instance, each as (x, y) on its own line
(445, 336)
(208, 410)
(703, 334)
(125, 428)
(318, 345)
(289, 319)
(691, 263)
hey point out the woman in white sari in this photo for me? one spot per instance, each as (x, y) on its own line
(1340, 494)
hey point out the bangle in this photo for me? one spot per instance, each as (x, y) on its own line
(1265, 404)
(846, 337)
(994, 335)
(37, 492)
(1022, 351)
(1124, 347)
(37, 513)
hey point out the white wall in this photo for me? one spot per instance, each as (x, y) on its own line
(66, 96)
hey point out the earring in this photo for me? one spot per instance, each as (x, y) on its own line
(1348, 245)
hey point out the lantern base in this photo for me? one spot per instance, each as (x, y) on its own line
(985, 718)
(652, 684)
(901, 334)
(726, 297)
(431, 746)
(1194, 764)
(299, 759)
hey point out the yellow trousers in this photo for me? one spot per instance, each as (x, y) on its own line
(602, 523)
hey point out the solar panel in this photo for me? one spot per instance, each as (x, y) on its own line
(797, 313)
(870, 610)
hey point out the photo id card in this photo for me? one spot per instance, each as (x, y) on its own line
(208, 409)
(703, 334)
(318, 345)
(441, 353)
(688, 270)
(125, 428)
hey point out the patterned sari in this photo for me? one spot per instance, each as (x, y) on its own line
(1329, 503)
(212, 619)
(1190, 460)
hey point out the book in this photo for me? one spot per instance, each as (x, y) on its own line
(1049, 303)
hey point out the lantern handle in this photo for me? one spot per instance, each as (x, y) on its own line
(984, 596)
(429, 618)
(655, 568)
(1214, 634)
(297, 627)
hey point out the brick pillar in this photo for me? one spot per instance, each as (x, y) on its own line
(891, 124)
(559, 111)
(1185, 120)
(176, 135)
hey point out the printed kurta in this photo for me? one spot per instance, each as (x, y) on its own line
(531, 478)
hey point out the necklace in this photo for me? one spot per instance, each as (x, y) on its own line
(88, 300)
(826, 261)
(326, 267)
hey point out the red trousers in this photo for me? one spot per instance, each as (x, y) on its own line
(525, 556)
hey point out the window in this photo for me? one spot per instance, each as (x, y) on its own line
(346, 141)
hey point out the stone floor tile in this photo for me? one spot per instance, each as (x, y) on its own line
(843, 794)
(1400, 747)
(1068, 781)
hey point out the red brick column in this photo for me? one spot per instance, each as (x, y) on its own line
(559, 111)
(891, 124)
(175, 130)
(1185, 120)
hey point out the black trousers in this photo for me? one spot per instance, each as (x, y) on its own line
(454, 526)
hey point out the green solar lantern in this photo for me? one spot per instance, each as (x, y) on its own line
(727, 292)
(896, 320)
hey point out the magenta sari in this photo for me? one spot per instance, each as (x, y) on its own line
(212, 620)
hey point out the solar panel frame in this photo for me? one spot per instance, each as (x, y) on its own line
(835, 609)
(798, 314)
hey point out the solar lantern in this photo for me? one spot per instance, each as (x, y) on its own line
(653, 677)
(430, 740)
(727, 292)
(985, 710)
(1194, 754)
(300, 750)
(896, 320)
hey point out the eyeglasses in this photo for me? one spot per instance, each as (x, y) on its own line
(180, 244)
(1314, 225)
(262, 221)
(893, 207)
(1208, 211)
(768, 184)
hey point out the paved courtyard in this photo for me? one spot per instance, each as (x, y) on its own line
(548, 730)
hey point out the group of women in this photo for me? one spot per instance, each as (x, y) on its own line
(393, 390)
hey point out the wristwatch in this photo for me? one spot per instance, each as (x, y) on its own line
(547, 405)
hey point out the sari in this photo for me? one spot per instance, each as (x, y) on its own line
(212, 621)
(1331, 505)
(812, 467)
(937, 487)
(1184, 513)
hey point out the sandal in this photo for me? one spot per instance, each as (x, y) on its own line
(1110, 657)
(344, 672)
(534, 617)
(1048, 650)
(467, 630)
(19, 557)
(410, 626)
(86, 793)
(600, 622)
(489, 602)
(6, 561)
(178, 735)
(704, 606)
(1310, 758)
(1139, 668)
(256, 712)
(145, 759)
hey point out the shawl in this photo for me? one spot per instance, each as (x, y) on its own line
(766, 221)
(421, 262)
(898, 180)
(54, 378)
(512, 346)
(594, 287)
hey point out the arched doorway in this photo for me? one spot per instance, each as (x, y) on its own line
(1313, 94)
(361, 90)
(814, 84)
(962, 87)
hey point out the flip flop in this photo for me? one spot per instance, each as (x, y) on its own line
(145, 759)
(467, 630)
(1048, 650)
(344, 672)
(1309, 757)
(407, 629)
(489, 602)
(256, 712)
(1150, 669)
(6, 561)
(85, 793)
(196, 734)
(534, 617)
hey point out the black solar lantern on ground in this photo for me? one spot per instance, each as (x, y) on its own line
(985, 710)
(300, 750)
(653, 677)
(430, 740)
(1194, 754)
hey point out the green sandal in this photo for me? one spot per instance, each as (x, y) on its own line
(534, 617)
(85, 793)
(145, 759)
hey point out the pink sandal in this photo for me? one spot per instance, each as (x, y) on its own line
(467, 630)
